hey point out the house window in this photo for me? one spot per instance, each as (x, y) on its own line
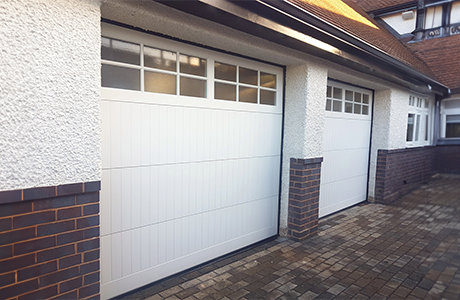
(452, 126)
(455, 13)
(418, 121)
(433, 17)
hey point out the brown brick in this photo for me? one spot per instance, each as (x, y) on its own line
(70, 237)
(70, 285)
(7, 279)
(91, 233)
(33, 219)
(69, 261)
(69, 189)
(6, 224)
(88, 198)
(89, 268)
(92, 255)
(91, 278)
(54, 228)
(70, 295)
(15, 208)
(59, 276)
(91, 209)
(39, 193)
(36, 271)
(6, 251)
(87, 222)
(88, 245)
(10, 196)
(69, 213)
(54, 203)
(19, 288)
(93, 186)
(45, 293)
(55, 253)
(16, 263)
(30, 246)
(87, 291)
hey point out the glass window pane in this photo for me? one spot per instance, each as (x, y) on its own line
(433, 17)
(455, 13)
(192, 87)
(337, 105)
(160, 59)
(192, 65)
(365, 98)
(410, 127)
(224, 71)
(365, 110)
(267, 80)
(358, 97)
(348, 95)
(267, 97)
(247, 94)
(357, 109)
(348, 107)
(329, 92)
(224, 91)
(328, 104)
(417, 127)
(337, 93)
(119, 77)
(452, 126)
(120, 51)
(159, 83)
(248, 76)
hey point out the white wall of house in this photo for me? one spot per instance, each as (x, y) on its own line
(401, 25)
(49, 95)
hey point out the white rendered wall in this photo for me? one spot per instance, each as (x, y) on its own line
(304, 108)
(388, 127)
(399, 24)
(49, 93)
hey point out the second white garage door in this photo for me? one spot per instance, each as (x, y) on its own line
(346, 147)
(191, 156)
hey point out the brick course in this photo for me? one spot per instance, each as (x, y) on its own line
(49, 242)
(304, 189)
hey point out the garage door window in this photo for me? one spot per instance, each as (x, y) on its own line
(134, 66)
(347, 101)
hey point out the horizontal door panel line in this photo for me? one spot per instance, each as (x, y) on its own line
(348, 118)
(191, 162)
(206, 105)
(195, 214)
(345, 178)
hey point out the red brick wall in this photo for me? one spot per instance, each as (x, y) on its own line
(304, 186)
(49, 242)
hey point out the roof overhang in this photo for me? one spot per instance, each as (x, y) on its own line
(281, 22)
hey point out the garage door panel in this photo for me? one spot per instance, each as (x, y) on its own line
(354, 161)
(186, 179)
(346, 143)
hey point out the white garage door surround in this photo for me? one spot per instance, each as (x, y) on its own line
(346, 142)
(191, 145)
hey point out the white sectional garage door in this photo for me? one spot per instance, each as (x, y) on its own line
(346, 147)
(191, 142)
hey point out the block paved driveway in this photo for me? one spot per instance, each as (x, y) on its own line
(410, 249)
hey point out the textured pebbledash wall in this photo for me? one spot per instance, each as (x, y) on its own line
(50, 81)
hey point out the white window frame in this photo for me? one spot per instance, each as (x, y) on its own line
(447, 112)
(422, 108)
(342, 113)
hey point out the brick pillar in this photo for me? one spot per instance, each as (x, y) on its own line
(49, 242)
(304, 188)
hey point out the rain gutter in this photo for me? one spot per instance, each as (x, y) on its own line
(284, 23)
